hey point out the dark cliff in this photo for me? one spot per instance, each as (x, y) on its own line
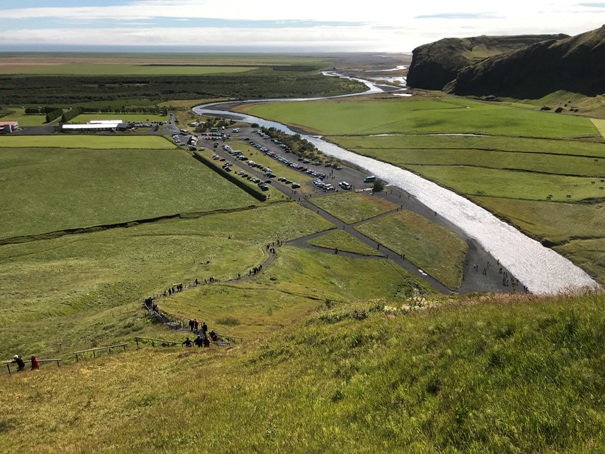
(575, 64)
(436, 64)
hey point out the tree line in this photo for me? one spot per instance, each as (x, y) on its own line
(34, 91)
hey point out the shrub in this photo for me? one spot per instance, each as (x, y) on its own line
(228, 321)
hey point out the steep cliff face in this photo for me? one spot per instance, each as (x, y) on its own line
(436, 64)
(575, 64)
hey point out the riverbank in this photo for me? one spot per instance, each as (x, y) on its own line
(538, 268)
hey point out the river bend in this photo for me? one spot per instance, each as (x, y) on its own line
(541, 270)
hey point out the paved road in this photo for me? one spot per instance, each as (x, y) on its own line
(481, 272)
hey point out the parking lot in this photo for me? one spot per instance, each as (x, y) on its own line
(266, 161)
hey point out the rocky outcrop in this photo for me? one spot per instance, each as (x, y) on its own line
(575, 64)
(436, 64)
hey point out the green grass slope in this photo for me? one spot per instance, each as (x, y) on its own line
(80, 291)
(477, 374)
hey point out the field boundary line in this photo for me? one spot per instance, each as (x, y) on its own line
(126, 224)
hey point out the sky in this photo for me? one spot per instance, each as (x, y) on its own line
(284, 25)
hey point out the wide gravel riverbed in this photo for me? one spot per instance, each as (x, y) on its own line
(541, 270)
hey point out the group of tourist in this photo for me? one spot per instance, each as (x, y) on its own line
(194, 326)
(21, 363)
(203, 336)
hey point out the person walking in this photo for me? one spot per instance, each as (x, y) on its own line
(19, 361)
(35, 363)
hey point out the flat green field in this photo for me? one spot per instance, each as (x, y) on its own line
(177, 63)
(407, 115)
(344, 242)
(100, 69)
(56, 189)
(513, 184)
(440, 142)
(436, 250)
(600, 125)
(572, 220)
(588, 253)
(88, 142)
(503, 160)
(24, 120)
(351, 207)
(85, 118)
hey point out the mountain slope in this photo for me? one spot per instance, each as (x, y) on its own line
(575, 64)
(488, 374)
(436, 64)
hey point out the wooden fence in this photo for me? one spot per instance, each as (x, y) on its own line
(153, 342)
(94, 351)
(41, 361)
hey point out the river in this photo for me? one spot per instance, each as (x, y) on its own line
(541, 270)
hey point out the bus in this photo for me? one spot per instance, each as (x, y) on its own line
(369, 179)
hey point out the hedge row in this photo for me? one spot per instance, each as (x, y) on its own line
(257, 194)
(50, 116)
(125, 109)
(40, 110)
(73, 113)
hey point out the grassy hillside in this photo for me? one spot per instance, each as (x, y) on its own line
(81, 291)
(478, 374)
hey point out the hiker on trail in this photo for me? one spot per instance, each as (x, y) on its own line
(204, 328)
(213, 335)
(206, 342)
(199, 341)
(195, 324)
(20, 363)
(191, 324)
(187, 342)
(35, 363)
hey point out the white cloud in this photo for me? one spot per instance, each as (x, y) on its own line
(319, 38)
(388, 26)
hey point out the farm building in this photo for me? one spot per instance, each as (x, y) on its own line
(7, 127)
(95, 125)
